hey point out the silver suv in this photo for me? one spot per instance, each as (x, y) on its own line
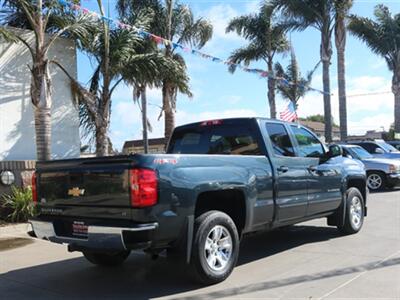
(381, 173)
(379, 149)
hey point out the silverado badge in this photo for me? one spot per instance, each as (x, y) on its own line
(76, 192)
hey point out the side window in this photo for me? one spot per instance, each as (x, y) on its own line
(309, 145)
(370, 147)
(280, 139)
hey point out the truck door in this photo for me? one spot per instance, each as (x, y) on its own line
(324, 179)
(291, 174)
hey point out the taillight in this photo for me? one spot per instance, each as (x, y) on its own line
(143, 187)
(211, 123)
(34, 188)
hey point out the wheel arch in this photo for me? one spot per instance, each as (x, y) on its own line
(360, 184)
(230, 201)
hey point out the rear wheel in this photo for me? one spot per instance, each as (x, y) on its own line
(376, 181)
(354, 215)
(215, 247)
(106, 259)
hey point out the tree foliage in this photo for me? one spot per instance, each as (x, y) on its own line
(293, 92)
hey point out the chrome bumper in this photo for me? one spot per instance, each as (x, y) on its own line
(99, 237)
(394, 176)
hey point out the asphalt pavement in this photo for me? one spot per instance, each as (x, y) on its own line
(306, 261)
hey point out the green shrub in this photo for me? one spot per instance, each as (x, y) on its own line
(20, 203)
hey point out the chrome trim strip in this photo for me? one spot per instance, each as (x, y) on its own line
(98, 236)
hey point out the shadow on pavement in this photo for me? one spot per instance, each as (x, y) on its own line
(142, 278)
(249, 288)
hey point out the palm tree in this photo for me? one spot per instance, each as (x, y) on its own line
(301, 14)
(382, 37)
(342, 8)
(174, 22)
(164, 66)
(292, 92)
(266, 38)
(42, 18)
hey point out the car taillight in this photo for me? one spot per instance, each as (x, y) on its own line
(34, 188)
(143, 187)
(211, 123)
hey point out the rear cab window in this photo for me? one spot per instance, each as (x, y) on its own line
(226, 137)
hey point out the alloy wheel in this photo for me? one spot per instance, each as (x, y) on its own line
(218, 248)
(374, 181)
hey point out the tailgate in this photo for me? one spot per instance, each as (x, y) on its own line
(102, 182)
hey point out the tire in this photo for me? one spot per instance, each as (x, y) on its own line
(106, 259)
(354, 214)
(376, 181)
(213, 261)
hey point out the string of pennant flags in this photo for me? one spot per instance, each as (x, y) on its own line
(165, 42)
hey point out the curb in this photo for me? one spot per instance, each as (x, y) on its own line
(11, 229)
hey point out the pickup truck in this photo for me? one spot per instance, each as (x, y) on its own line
(220, 180)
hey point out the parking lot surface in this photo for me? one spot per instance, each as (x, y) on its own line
(307, 261)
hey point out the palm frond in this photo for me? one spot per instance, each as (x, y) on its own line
(7, 35)
(246, 55)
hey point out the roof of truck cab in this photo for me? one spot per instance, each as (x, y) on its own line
(242, 120)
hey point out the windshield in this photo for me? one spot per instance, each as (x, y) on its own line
(359, 153)
(387, 147)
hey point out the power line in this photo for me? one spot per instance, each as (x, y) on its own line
(162, 42)
(369, 94)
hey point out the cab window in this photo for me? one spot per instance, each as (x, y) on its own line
(280, 139)
(309, 145)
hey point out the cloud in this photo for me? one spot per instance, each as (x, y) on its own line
(220, 15)
(364, 112)
(374, 122)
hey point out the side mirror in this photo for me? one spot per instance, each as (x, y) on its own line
(379, 151)
(349, 156)
(335, 150)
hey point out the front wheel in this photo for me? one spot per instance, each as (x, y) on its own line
(376, 181)
(215, 247)
(106, 259)
(354, 215)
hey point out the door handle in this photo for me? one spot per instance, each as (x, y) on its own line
(283, 169)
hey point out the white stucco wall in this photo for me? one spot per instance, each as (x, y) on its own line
(17, 132)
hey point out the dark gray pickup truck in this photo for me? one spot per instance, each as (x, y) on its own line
(219, 180)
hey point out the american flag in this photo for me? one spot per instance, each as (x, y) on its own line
(289, 114)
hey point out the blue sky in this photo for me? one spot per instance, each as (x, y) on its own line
(217, 93)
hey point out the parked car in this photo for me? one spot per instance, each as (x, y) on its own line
(395, 144)
(381, 173)
(219, 181)
(380, 149)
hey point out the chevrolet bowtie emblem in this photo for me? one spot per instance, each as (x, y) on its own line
(76, 192)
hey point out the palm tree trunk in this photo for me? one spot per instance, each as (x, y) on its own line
(101, 140)
(396, 92)
(326, 54)
(41, 100)
(340, 41)
(43, 133)
(102, 145)
(144, 119)
(342, 94)
(327, 101)
(169, 115)
(271, 91)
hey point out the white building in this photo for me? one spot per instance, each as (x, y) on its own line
(17, 132)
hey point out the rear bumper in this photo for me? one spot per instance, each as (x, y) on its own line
(100, 237)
